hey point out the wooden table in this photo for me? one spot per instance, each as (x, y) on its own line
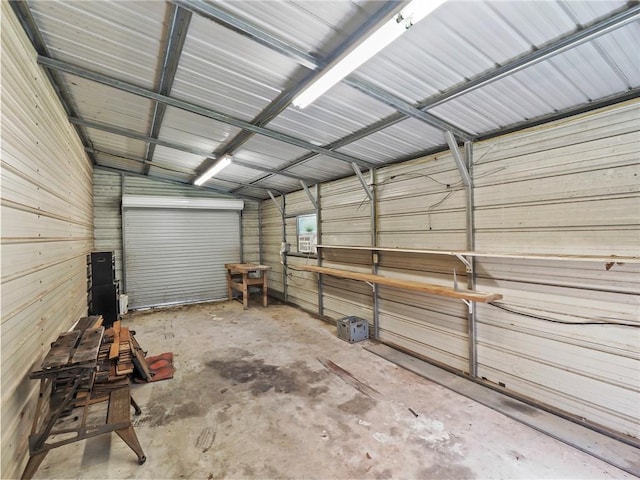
(238, 279)
(71, 405)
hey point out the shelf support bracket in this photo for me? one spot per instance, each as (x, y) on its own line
(308, 192)
(275, 202)
(464, 260)
(365, 185)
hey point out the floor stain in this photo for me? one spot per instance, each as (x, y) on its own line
(358, 405)
(443, 470)
(261, 377)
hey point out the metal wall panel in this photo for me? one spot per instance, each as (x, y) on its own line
(569, 187)
(346, 220)
(251, 233)
(177, 256)
(107, 221)
(421, 205)
(47, 224)
(302, 287)
(271, 226)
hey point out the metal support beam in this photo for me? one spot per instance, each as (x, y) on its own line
(276, 203)
(311, 199)
(81, 72)
(176, 146)
(406, 108)
(366, 187)
(570, 41)
(462, 168)
(212, 12)
(173, 182)
(282, 101)
(470, 262)
(176, 35)
(319, 251)
(375, 255)
(561, 45)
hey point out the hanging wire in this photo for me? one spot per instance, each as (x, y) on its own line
(563, 322)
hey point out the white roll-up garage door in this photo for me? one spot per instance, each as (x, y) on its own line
(175, 248)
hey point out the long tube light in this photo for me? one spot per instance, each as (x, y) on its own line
(383, 36)
(215, 169)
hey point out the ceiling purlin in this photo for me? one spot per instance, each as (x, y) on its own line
(284, 99)
(123, 132)
(279, 104)
(570, 41)
(93, 76)
(174, 42)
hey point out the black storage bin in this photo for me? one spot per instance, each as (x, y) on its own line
(103, 301)
(102, 268)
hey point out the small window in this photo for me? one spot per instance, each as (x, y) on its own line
(307, 233)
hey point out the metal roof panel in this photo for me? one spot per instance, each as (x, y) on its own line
(194, 130)
(228, 72)
(121, 39)
(268, 152)
(108, 105)
(339, 112)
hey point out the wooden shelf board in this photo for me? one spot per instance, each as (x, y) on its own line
(406, 284)
(527, 256)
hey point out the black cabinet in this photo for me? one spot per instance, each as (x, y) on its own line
(103, 287)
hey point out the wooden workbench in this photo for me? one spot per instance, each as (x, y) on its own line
(72, 405)
(238, 279)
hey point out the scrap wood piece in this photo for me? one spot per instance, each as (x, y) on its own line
(348, 378)
(115, 346)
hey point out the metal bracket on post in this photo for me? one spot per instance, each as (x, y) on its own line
(364, 183)
(275, 202)
(311, 199)
(464, 260)
(469, 304)
(453, 146)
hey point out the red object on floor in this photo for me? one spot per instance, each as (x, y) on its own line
(161, 366)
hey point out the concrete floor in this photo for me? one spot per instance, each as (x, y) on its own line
(257, 394)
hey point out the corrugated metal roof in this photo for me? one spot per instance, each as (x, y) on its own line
(267, 152)
(341, 111)
(399, 140)
(175, 159)
(247, 70)
(196, 131)
(107, 105)
(313, 26)
(228, 72)
(109, 142)
(122, 39)
(321, 168)
(119, 163)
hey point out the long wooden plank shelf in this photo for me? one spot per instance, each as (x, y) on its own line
(406, 284)
(528, 256)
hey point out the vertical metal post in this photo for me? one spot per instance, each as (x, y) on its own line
(122, 229)
(241, 237)
(319, 252)
(472, 330)
(375, 255)
(260, 260)
(284, 257)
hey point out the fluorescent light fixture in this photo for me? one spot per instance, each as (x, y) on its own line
(217, 167)
(383, 36)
